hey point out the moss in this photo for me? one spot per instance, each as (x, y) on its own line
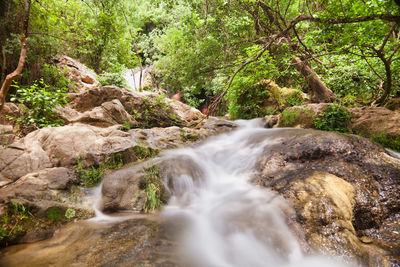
(189, 137)
(144, 152)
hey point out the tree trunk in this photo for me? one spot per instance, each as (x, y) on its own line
(22, 57)
(3, 65)
(15, 74)
(320, 92)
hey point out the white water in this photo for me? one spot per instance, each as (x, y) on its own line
(223, 220)
(132, 78)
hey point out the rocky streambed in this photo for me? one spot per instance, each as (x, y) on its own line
(282, 194)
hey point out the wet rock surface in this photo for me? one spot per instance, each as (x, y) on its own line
(310, 167)
(138, 241)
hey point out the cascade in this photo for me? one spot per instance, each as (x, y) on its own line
(223, 219)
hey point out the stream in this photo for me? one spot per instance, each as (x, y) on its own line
(214, 218)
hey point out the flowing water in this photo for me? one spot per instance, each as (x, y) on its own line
(218, 218)
(226, 221)
(132, 77)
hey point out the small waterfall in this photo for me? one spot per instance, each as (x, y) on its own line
(132, 77)
(224, 220)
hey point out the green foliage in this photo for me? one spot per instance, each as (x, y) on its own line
(333, 118)
(153, 187)
(40, 100)
(116, 79)
(93, 175)
(156, 113)
(11, 224)
(70, 213)
(247, 96)
(54, 214)
(126, 126)
(290, 116)
(55, 79)
(295, 99)
(189, 137)
(144, 152)
(387, 141)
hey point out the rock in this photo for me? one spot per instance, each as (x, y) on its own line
(78, 73)
(108, 114)
(124, 190)
(365, 121)
(65, 144)
(38, 188)
(19, 159)
(341, 186)
(137, 241)
(370, 121)
(147, 109)
(300, 116)
(393, 104)
(6, 135)
(280, 97)
(40, 192)
(9, 109)
(270, 121)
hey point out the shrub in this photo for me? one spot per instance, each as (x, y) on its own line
(153, 187)
(107, 78)
(40, 100)
(295, 99)
(93, 175)
(333, 118)
(11, 224)
(387, 141)
(289, 116)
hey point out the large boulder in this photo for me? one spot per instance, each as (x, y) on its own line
(78, 73)
(370, 121)
(365, 121)
(108, 105)
(139, 241)
(343, 188)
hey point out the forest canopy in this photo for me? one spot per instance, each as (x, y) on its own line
(219, 51)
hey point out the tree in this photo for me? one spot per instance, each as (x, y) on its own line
(18, 71)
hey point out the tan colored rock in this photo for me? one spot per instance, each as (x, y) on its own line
(18, 159)
(393, 104)
(78, 73)
(108, 114)
(9, 109)
(64, 145)
(324, 204)
(38, 185)
(300, 116)
(148, 109)
(375, 120)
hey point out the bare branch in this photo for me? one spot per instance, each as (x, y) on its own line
(387, 37)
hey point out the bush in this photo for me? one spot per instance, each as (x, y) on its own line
(93, 175)
(290, 116)
(40, 100)
(53, 76)
(295, 99)
(153, 187)
(333, 118)
(107, 78)
(387, 141)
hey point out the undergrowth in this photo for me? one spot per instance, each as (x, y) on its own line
(153, 187)
(333, 118)
(92, 176)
